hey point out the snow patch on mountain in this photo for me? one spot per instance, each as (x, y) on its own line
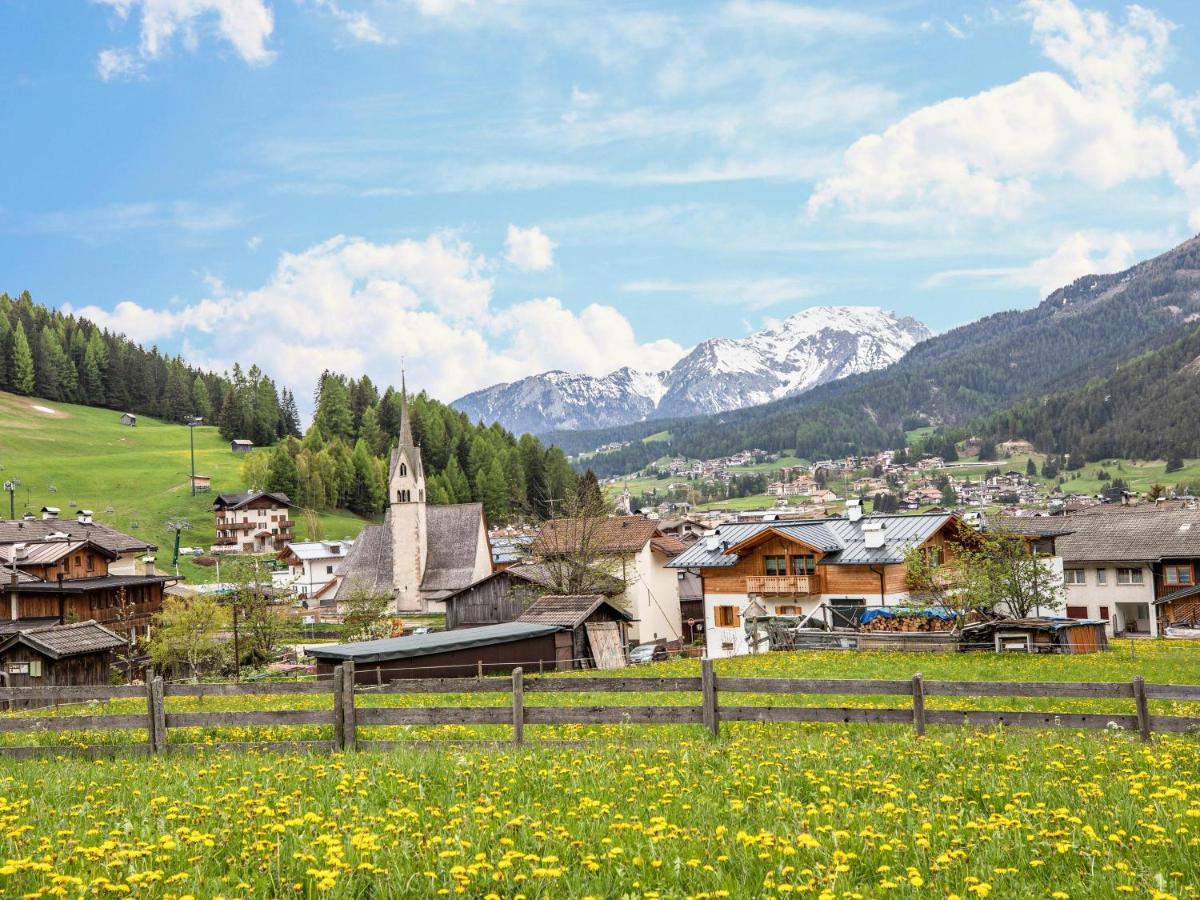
(789, 357)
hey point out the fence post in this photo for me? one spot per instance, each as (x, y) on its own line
(155, 717)
(1143, 708)
(708, 688)
(518, 705)
(918, 692)
(350, 730)
(479, 669)
(160, 715)
(339, 718)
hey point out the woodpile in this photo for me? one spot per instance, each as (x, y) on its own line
(908, 623)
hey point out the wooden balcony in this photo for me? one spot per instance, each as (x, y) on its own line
(782, 585)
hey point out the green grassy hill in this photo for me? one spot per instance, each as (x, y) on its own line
(81, 457)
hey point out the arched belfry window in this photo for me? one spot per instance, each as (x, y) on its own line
(403, 470)
(404, 496)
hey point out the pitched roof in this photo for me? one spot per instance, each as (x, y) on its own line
(87, 585)
(569, 611)
(452, 539)
(58, 641)
(1181, 594)
(13, 531)
(237, 501)
(434, 642)
(368, 565)
(618, 534)
(1130, 534)
(667, 545)
(46, 553)
(841, 540)
(304, 550)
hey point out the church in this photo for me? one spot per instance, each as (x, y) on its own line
(420, 554)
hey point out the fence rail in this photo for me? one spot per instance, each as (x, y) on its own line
(346, 715)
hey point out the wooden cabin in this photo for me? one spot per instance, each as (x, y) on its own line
(598, 627)
(502, 596)
(54, 655)
(241, 446)
(128, 419)
(452, 654)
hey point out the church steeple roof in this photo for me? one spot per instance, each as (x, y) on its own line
(406, 438)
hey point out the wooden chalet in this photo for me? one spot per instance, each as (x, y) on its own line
(254, 522)
(65, 579)
(56, 655)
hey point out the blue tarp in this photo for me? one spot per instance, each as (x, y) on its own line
(899, 612)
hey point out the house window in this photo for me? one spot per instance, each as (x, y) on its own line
(35, 668)
(936, 558)
(1129, 576)
(775, 565)
(329, 570)
(787, 610)
(725, 616)
(1177, 574)
(804, 565)
(1074, 576)
(1077, 612)
(1102, 576)
(1104, 613)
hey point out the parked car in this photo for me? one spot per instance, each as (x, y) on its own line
(644, 653)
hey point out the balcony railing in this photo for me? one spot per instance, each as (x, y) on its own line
(782, 584)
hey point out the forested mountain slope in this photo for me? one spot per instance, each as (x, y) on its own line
(1079, 332)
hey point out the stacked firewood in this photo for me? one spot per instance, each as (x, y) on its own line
(909, 623)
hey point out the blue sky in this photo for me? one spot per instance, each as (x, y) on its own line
(489, 189)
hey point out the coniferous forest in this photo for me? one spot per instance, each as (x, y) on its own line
(339, 462)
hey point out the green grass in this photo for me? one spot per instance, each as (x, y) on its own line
(764, 810)
(659, 437)
(142, 473)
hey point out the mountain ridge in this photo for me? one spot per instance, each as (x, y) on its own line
(807, 349)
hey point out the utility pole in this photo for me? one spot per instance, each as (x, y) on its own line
(11, 486)
(192, 422)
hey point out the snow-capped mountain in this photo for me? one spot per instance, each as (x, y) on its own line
(801, 352)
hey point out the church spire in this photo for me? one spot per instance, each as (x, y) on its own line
(406, 438)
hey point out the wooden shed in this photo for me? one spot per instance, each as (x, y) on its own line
(452, 654)
(502, 596)
(1179, 613)
(128, 419)
(1046, 634)
(241, 445)
(55, 655)
(598, 627)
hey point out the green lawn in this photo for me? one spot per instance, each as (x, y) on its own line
(94, 462)
(659, 437)
(764, 810)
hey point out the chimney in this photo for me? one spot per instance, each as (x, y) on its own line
(85, 517)
(873, 534)
(27, 517)
(854, 510)
(49, 513)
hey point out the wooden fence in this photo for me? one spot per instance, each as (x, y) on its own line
(717, 704)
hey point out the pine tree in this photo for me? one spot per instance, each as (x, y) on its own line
(492, 492)
(1031, 467)
(333, 417)
(201, 405)
(21, 362)
(367, 490)
(5, 343)
(92, 372)
(370, 432)
(457, 485)
(289, 416)
(283, 475)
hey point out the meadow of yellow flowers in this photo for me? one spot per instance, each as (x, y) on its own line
(764, 810)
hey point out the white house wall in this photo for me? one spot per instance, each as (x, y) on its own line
(1092, 595)
(652, 597)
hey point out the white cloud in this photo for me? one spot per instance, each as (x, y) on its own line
(112, 64)
(357, 306)
(253, 242)
(441, 7)
(529, 249)
(356, 22)
(246, 24)
(984, 155)
(1077, 255)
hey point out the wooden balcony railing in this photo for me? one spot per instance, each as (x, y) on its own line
(782, 584)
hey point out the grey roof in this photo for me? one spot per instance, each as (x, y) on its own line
(13, 531)
(45, 553)
(452, 535)
(1181, 594)
(1130, 534)
(58, 641)
(839, 539)
(236, 501)
(368, 565)
(86, 585)
(434, 642)
(6, 575)
(569, 611)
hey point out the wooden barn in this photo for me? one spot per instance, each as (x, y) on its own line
(452, 654)
(1178, 613)
(128, 419)
(55, 655)
(598, 627)
(502, 596)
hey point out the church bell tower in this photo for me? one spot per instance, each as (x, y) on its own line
(406, 504)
